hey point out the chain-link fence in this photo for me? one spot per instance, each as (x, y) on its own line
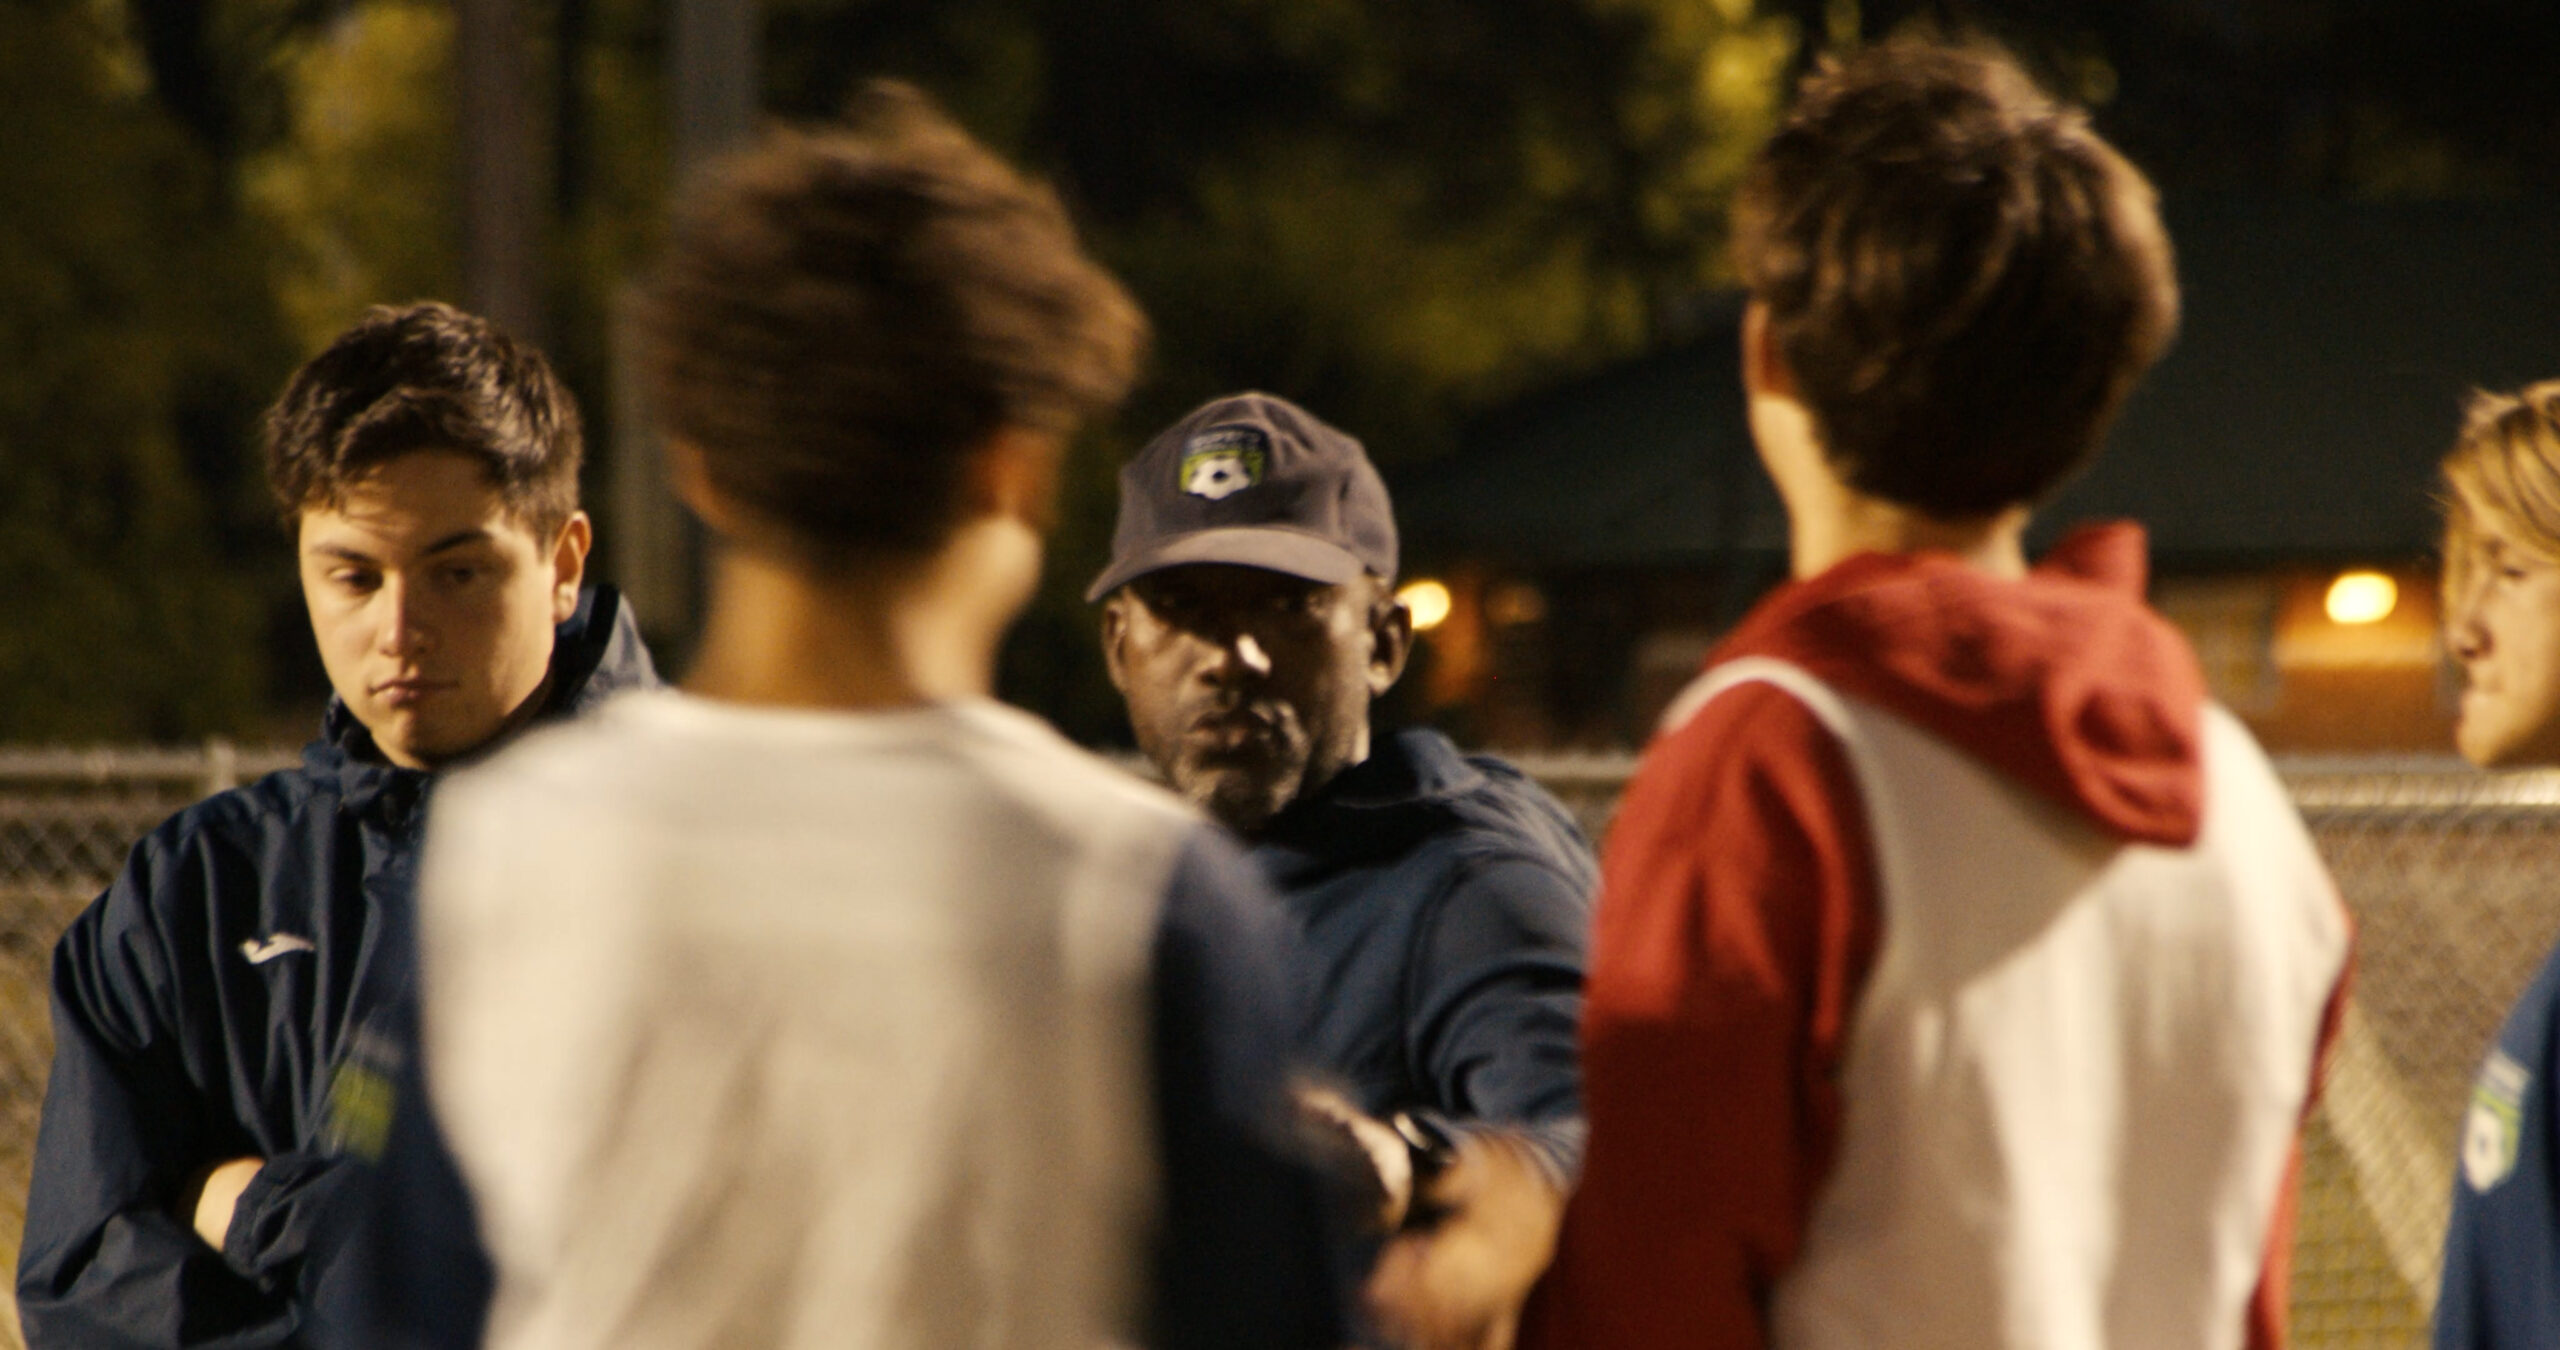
(67, 818)
(2452, 879)
(2453, 876)
(2449, 872)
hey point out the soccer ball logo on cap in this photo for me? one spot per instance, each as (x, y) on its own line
(1224, 461)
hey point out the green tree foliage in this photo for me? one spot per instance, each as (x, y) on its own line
(134, 318)
(2376, 99)
(360, 188)
(359, 192)
(203, 193)
(1393, 211)
(1396, 211)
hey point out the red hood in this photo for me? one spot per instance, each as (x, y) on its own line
(2063, 681)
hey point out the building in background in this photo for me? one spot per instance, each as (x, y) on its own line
(1594, 539)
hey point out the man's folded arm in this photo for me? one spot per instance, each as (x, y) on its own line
(107, 1261)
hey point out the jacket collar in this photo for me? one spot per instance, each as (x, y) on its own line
(595, 654)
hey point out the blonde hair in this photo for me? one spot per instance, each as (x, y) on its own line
(2505, 465)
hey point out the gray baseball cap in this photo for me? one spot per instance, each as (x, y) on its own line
(1256, 480)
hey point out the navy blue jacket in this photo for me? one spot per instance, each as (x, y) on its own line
(1446, 908)
(2501, 1286)
(244, 988)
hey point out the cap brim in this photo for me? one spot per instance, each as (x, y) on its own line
(1279, 550)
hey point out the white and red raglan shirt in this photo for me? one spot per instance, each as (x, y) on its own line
(1960, 979)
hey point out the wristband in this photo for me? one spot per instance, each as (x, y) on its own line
(1432, 1149)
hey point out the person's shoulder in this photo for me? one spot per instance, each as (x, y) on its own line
(1513, 788)
(1497, 811)
(1729, 726)
(582, 766)
(626, 731)
(216, 853)
(243, 818)
(1030, 761)
(1734, 751)
(1133, 865)
(2531, 1032)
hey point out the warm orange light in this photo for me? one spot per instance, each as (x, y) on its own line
(2362, 597)
(1515, 604)
(1429, 601)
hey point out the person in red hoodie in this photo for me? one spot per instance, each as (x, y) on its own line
(1960, 971)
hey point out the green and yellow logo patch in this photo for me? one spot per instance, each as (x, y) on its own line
(2491, 1130)
(1223, 461)
(361, 1101)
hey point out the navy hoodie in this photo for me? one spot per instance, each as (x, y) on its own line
(1446, 907)
(244, 989)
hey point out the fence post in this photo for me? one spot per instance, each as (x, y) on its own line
(221, 765)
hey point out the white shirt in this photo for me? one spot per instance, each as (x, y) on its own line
(769, 1028)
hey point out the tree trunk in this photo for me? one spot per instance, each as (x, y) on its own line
(501, 196)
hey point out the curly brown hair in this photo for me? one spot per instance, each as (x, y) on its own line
(841, 315)
(1964, 278)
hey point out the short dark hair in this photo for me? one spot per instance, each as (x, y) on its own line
(842, 314)
(1963, 277)
(426, 377)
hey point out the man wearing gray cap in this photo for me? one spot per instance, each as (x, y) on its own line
(1249, 618)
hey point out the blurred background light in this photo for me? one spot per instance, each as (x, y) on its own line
(1429, 601)
(2362, 597)
(1515, 604)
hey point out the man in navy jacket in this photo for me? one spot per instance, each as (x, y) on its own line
(1249, 620)
(233, 1018)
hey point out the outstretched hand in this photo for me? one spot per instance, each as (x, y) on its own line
(1459, 1284)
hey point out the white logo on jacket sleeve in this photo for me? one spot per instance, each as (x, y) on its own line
(277, 944)
(2491, 1131)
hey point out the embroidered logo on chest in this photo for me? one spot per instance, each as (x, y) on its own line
(2490, 1133)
